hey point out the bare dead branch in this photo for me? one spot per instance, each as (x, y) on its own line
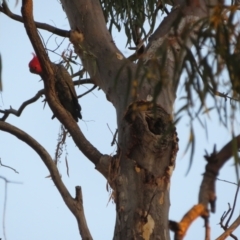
(230, 211)
(222, 180)
(207, 193)
(234, 205)
(21, 108)
(225, 214)
(60, 32)
(216, 160)
(7, 166)
(234, 225)
(224, 226)
(83, 228)
(73, 204)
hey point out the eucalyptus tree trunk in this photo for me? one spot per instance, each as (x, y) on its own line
(143, 95)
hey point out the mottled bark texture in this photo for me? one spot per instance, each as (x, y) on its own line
(143, 95)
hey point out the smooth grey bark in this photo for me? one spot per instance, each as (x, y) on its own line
(141, 169)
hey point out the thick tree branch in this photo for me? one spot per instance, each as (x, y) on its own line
(95, 46)
(60, 32)
(181, 228)
(49, 85)
(74, 205)
(83, 228)
(207, 194)
(215, 161)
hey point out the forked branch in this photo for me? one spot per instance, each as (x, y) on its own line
(74, 205)
(228, 232)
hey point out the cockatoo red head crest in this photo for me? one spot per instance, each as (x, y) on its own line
(34, 65)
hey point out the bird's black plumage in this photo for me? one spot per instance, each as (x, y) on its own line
(66, 92)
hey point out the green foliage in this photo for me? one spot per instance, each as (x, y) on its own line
(130, 14)
(212, 72)
(216, 64)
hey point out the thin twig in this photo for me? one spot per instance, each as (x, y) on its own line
(7, 166)
(228, 232)
(225, 214)
(66, 161)
(114, 136)
(226, 181)
(234, 204)
(90, 90)
(231, 211)
(21, 108)
(60, 32)
(5, 204)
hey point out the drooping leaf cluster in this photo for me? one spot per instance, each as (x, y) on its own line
(211, 71)
(131, 15)
(213, 65)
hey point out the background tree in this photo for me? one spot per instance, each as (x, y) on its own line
(149, 80)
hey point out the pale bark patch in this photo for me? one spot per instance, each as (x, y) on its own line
(161, 199)
(119, 56)
(148, 227)
(76, 37)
